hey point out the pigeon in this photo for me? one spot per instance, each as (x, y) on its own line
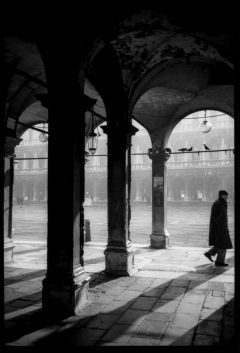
(189, 149)
(206, 147)
(168, 150)
(182, 149)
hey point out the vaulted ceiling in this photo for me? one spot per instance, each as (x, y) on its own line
(174, 59)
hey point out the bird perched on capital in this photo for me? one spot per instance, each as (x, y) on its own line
(206, 147)
(168, 150)
(189, 149)
(182, 149)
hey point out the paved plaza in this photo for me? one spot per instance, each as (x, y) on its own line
(176, 297)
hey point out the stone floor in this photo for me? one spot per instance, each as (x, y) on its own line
(176, 298)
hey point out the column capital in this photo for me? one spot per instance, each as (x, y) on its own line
(9, 146)
(124, 128)
(158, 152)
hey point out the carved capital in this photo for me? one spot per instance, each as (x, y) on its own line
(9, 146)
(157, 151)
(124, 128)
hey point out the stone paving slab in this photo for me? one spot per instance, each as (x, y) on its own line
(205, 340)
(131, 316)
(175, 336)
(120, 333)
(144, 303)
(182, 320)
(151, 329)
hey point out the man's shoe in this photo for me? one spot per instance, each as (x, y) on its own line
(208, 256)
(220, 263)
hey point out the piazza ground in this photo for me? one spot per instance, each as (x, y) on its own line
(175, 297)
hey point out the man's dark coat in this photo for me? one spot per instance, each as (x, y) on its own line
(218, 229)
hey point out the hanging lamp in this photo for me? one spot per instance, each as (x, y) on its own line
(43, 137)
(92, 137)
(205, 126)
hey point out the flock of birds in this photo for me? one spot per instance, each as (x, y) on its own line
(190, 149)
(187, 149)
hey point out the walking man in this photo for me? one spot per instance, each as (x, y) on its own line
(218, 230)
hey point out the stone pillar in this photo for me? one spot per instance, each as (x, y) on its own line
(94, 189)
(8, 161)
(187, 188)
(204, 188)
(45, 186)
(160, 237)
(119, 254)
(65, 288)
(34, 191)
(138, 189)
(24, 187)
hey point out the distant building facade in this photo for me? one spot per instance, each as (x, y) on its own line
(30, 175)
(190, 176)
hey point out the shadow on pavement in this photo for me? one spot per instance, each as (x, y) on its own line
(132, 323)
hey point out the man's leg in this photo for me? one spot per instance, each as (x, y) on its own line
(210, 253)
(213, 251)
(221, 254)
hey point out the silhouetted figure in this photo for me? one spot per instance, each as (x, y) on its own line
(182, 149)
(19, 200)
(189, 149)
(206, 147)
(218, 230)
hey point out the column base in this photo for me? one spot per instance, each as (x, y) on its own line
(160, 241)
(8, 250)
(119, 260)
(62, 300)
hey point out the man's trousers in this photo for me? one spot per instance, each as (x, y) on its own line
(221, 253)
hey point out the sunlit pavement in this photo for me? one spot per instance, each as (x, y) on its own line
(176, 296)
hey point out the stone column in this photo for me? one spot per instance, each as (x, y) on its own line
(204, 188)
(187, 188)
(65, 288)
(8, 161)
(24, 187)
(94, 189)
(138, 189)
(34, 191)
(160, 237)
(119, 254)
(45, 190)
